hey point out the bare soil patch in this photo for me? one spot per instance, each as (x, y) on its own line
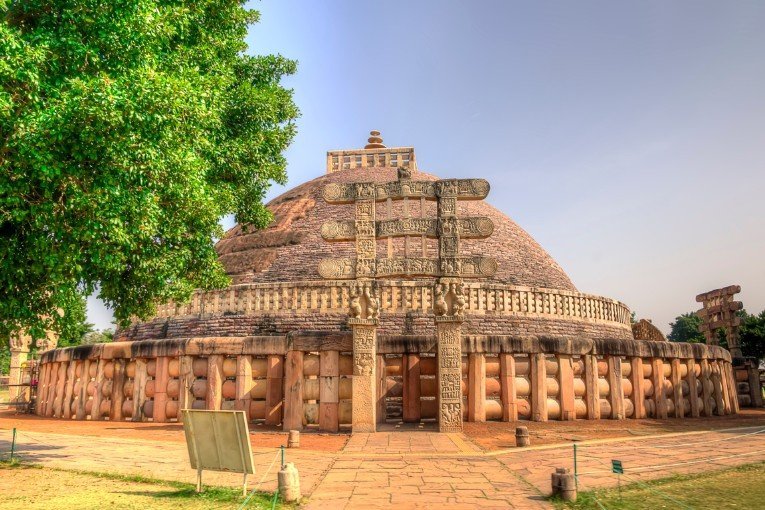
(261, 436)
(501, 435)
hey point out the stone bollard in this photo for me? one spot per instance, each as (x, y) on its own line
(289, 483)
(564, 484)
(293, 440)
(522, 436)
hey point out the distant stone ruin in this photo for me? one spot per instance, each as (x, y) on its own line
(645, 330)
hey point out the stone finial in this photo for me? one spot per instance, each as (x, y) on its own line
(374, 141)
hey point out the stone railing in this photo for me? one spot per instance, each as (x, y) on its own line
(364, 158)
(304, 379)
(398, 297)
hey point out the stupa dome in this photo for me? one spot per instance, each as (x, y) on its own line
(277, 287)
(291, 247)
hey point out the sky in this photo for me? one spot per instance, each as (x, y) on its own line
(628, 138)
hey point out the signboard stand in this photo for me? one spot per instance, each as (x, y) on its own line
(218, 441)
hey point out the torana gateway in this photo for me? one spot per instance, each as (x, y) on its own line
(383, 293)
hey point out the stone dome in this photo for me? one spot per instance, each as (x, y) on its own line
(277, 289)
(291, 247)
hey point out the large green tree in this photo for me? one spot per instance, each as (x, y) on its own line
(686, 329)
(128, 128)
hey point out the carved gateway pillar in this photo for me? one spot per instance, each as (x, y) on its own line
(449, 331)
(364, 402)
(20, 344)
(448, 270)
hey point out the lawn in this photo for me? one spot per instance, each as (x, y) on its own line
(740, 487)
(31, 487)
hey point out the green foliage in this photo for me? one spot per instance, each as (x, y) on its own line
(75, 327)
(98, 337)
(751, 333)
(75, 324)
(686, 329)
(731, 488)
(127, 129)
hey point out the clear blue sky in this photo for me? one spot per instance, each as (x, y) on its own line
(627, 138)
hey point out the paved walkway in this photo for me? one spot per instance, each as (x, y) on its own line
(415, 468)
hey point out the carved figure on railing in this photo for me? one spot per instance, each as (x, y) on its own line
(404, 173)
(373, 304)
(459, 298)
(439, 303)
(355, 306)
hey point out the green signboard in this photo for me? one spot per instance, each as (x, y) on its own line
(616, 467)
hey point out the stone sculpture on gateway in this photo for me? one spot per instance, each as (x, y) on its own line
(449, 269)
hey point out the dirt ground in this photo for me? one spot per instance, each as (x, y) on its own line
(498, 435)
(488, 436)
(261, 436)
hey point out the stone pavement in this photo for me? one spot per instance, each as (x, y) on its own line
(415, 468)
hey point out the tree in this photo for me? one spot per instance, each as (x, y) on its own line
(752, 335)
(75, 328)
(98, 337)
(127, 129)
(686, 329)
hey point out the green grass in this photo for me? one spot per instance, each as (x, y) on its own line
(739, 488)
(180, 493)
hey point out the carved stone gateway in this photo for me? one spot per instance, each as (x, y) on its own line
(719, 312)
(449, 299)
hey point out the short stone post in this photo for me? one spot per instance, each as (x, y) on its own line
(522, 437)
(564, 484)
(289, 483)
(293, 439)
